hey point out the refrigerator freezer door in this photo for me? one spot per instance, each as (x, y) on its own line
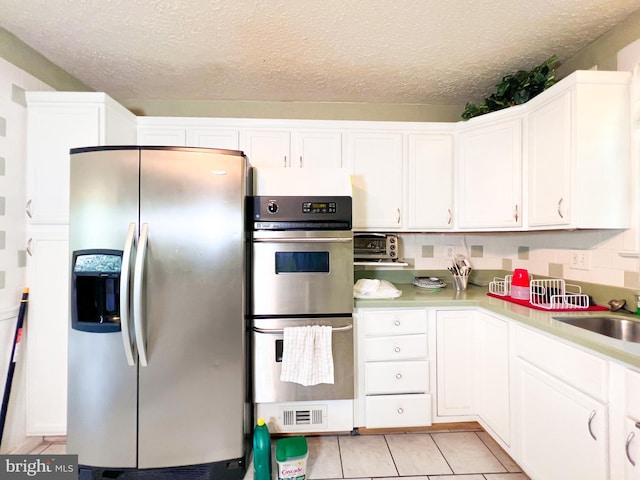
(192, 392)
(101, 420)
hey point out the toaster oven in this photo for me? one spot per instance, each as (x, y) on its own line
(375, 247)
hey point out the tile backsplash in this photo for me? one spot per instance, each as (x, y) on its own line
(549, 253)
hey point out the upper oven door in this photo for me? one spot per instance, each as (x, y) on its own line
(301, 272)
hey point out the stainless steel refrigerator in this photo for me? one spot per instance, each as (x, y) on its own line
(157, 340)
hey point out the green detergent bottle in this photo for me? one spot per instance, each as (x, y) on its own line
(261, 451)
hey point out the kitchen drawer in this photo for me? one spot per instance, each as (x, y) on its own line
(578, 368)
(388, 411)
(402, 347)
(395, 322)
(396, 377)
(632, 392)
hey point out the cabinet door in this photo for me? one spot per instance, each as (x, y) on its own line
(227, 139)
(562, 433)
(47, 325)
(493, 363)
(376, 162)
(632, 449)
(162, 136)
(316, 149)
(549, 163)
(430, 201)
(266, 148)
(51, 132)
(489, 179)
(456, 362)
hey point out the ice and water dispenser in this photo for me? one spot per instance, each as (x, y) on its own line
(95, 284)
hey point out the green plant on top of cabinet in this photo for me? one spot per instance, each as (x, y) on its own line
(489, 171)
(578, 156)
(377, 165)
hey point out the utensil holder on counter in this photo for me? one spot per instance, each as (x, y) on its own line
(460, 281)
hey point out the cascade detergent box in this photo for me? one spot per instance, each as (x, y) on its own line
(291, 455)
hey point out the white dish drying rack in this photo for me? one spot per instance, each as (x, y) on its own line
(550, 293)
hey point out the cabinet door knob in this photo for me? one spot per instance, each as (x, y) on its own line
(398, 221)
(398, 376)
(397, 349)
(397, 323)
(449, 217)
(27, 209)
(400, 411)
(516, 213)
(29, 252)
(300, 161)
(626, 448)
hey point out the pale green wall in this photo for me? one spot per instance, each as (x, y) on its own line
(23, 56)
(602, 52)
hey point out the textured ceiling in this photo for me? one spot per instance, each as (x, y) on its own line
(379, 51)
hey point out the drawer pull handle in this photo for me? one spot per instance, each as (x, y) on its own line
(626, 448)
(397, 349)
(398, 376)
(397, 323)
(593, 414)
(400, 411)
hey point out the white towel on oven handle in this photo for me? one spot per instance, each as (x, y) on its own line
(307, 357)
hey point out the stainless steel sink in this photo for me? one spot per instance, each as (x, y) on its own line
(614, 327)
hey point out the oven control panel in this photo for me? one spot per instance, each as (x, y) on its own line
(300, 213)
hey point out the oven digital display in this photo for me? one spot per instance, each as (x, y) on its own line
(319, 207)
(302, 262)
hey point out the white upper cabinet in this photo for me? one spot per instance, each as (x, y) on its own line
(376, 163)
(578, 162)
(225, 138)
(317, 149)
(162, 136)
(57, 122)
(430, 180)
(489, 172)
(266, 148)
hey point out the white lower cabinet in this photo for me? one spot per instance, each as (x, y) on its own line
(493, 392)
(456, 362)
(562, 433)
(561, 404)
(393, 368)
(47, 325)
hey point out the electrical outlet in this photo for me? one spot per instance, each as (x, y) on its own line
(447, 251)
(580, 260)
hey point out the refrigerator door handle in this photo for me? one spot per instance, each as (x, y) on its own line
(125, 279)
(138, 281)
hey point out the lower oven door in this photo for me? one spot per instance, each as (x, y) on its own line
(300, 272)
(268, 338)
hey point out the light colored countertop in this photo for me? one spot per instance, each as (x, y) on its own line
(415, 297)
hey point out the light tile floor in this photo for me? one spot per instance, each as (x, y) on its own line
(442, 455)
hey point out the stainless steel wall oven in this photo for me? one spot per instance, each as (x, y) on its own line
(302, 274)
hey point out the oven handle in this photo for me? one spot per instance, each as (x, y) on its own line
(303, 240)
(275, 331)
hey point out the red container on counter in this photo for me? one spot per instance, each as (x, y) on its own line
(520, 284)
